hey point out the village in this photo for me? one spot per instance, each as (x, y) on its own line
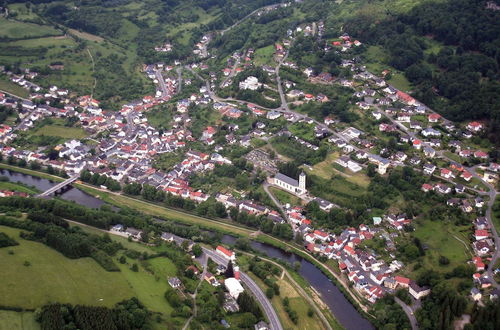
(127, 146)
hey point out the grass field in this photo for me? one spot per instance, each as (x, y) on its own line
(440, 237)
(85, 35)
(297, 303)
(8, 86)
(10, 320)
(285, 197)
(62, 132)
(53, 277)
(327, 168)
(264, 55)
(16, 30)
(12, 186)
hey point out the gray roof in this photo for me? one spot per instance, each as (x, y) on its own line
(287, 179)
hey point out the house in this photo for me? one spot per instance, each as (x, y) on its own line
(430, 132)
(134, 233)
(318, 234)
(434, 117)
(234, 287)
(429, 169)
(261, 326)
(390, 283)
(402, 281)
(475, 294)
(210, 278)
(481, 234)
(429, 152)
(174, 282)
(418, 292)
(474, 126)
(480, 154)
(478, 262)
(427, 187)
(225, 253)
(483, 247)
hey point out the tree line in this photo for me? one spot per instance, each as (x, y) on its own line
(126, 315)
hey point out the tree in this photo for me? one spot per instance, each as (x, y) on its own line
(134, 268)
(270, 293)
(197, 250)
(123, 260)
(248, 304)
(229, 270)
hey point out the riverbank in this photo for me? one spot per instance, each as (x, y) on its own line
(341, 301)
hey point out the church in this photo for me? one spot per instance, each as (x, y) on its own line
(289, 184)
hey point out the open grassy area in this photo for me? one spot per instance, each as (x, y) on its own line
(264, 55)
(16, 29)
(120, 239)
(10, 320)
(53, 277)
(62, 132)
(12, 186)
(85, 35)
(297, 303)
(443, 240)
(9, 87)
(285, 197)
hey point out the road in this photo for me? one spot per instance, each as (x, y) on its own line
(409, 312)
(232, 73)
(273, 198)
(269, 311)
(297, 287)
(203, 261)
(284, 104)
(244, 18)
(161, 81)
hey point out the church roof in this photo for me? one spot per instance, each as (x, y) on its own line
(287, 179)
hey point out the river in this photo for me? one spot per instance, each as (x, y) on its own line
(341, 308)
(69, 192)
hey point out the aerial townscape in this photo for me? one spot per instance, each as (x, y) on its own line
(260, 165)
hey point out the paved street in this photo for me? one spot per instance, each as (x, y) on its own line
(254, 288)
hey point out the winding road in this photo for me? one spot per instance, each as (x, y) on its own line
(254, 288)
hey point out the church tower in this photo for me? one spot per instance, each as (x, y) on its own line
(302, 182)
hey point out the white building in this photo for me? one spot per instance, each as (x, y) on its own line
(290, 184)
(251, 83)
(234, 287)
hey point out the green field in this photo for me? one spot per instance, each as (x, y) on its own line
(10, 320)
(62, 132)
(52, 277)
(440, 237)
(17, 30)
(264, 55)
(285, 197)
(12, 186)
(8, 86)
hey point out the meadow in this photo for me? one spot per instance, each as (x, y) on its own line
(38, 275)
(18, 30)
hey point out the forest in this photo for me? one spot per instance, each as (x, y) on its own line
(126, 315)
(459, 79)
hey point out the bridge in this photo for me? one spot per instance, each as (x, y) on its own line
(59, 186)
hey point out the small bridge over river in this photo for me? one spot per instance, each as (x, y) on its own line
(59, 186)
